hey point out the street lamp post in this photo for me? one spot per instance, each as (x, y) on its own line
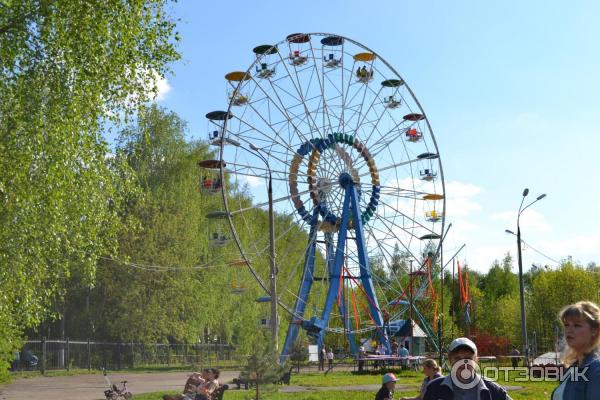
(521, 282)
(273, 267)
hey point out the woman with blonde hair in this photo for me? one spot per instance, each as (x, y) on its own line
(432, 371)
(581, 323)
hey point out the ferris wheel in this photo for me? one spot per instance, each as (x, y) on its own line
(355, 173)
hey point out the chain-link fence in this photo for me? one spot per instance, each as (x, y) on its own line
(67, 354)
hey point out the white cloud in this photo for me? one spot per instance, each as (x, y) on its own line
(254, 181)
(531, 220)
(163, 87)
(583, 248)
(481, 257)
(460, 200)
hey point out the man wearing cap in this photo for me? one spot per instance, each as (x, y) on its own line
(464, 383)
(387, 388)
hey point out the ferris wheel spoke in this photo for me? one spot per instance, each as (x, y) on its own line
(361, 121)
(396, 191)
(396, 165)
(345, 103)
(298, 90)
(341, 126)
(384, 112)
(390, 225)
(381, 243)
(261, 205)
(270, 152)
(406, 216)
(282, 142)
(385, 254)
(256, 176)
(388, 137)
(264, 249)
(265, 170)
(281, 109)
(320, 79)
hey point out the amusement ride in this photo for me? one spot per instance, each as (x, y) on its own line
(355, 170)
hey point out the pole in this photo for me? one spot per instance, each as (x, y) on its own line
(411, 308)
(452, 303)
(273, 268)
(522, 297)
(274, 317)
(67, 354)
(440, 322)
(43, 364)
(89, 355)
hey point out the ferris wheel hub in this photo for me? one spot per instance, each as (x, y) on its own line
(324, 185)
(345, 180)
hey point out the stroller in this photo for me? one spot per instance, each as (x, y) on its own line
(114, 393)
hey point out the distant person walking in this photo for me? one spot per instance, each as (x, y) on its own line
(330, 357)
(404, 354)
(581, 322)
(515, 355)
(322, 357)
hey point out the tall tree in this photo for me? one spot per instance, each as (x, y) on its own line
(66, 66)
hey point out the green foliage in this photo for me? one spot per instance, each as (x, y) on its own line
(500, 289)
(551, 291)
(262, 366)
(191, 300)
(499, 281)
(66, 66)
(299, 353)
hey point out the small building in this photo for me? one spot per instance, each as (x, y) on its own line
(413, 339)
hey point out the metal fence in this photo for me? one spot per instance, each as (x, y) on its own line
(74, 354)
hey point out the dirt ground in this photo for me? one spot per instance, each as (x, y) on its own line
(91, 387)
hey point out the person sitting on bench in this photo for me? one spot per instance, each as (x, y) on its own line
(198, 386)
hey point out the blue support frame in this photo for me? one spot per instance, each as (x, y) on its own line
(365, 271)
(341, 301)
(303, 291)
(316, 327)
(334, 277)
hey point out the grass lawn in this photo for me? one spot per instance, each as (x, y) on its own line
(529, 391)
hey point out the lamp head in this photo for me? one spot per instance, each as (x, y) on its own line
(509, 231)
(541, 196)
(254, 147)
(525, 192)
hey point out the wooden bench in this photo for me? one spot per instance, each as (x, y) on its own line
(248, 383)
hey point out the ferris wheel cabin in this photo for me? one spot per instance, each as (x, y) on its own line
(364, 73)
(413, 135)
(216, 134)
(428, 175)
(297, 55)
(263, 54)
(434, 216)
(392, 101)
(331, 60)
(236, 95)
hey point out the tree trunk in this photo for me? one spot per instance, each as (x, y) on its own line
(257, 393)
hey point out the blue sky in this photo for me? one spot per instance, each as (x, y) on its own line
(511, 89)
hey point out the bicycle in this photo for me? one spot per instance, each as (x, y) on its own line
(115, 393)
